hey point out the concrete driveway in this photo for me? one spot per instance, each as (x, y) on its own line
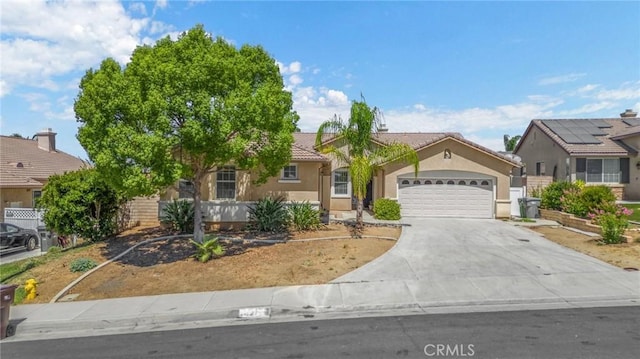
(490, 259)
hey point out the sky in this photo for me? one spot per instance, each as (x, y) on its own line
(483, 69)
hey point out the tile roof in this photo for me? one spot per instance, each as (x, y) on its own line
(417, 140)
(23, 164)
(609, 143)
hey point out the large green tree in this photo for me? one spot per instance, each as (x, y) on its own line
(354, 148)
(181, 109)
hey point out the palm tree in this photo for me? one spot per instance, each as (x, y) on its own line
(511, 142)
(358, 152)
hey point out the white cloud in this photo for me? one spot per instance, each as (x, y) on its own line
(295, 80)
(588, 88)
(627, 91)
(560, 79)
(589, 108)
(45, 39)
(293, 68)
(138, 7)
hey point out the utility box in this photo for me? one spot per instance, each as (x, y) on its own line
(45, 238)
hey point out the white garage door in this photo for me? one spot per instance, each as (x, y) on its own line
(446, 197)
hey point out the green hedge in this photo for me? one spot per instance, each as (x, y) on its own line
(386, 209)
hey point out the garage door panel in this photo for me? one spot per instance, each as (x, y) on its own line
(447, 200)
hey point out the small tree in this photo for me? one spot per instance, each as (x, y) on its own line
(511, 142)
(182, 109)
(81, 203)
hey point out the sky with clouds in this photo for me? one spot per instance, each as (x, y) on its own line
(483, 69)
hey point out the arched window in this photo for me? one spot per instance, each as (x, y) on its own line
(438, 182)
(405, 182)
(473, 183)
(485, 183)
(462, 183)
(427, 182)
(416, 181)
(450, 182)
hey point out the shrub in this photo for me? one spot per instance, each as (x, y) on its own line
(552, 193)
(304, 217)
(572, 202)
(614, 220)
(82, 265)
(179, 215)
(386, 209)
(209, 248)
(595, 197)
(269, 215)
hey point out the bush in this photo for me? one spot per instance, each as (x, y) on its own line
(209, 248)
(552, 194)
(571, 202)
(613, 228)
(82, 265)
(304, 217)
(595, 197)
(82, 203)
(269, 215)
(386, 209)
(179, 216)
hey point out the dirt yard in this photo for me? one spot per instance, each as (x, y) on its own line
(624, 255)
(168, 266)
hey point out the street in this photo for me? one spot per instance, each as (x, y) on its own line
(612, 332)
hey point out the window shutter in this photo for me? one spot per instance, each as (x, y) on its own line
(581, 169)
(624, 169)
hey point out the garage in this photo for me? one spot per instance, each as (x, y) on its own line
(469, 197)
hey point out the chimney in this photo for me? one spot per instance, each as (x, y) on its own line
(47, 140)
(383, 128)
(628, 113)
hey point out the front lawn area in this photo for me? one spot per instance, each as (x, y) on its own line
(167, 266)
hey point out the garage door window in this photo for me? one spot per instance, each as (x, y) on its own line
(462, 183)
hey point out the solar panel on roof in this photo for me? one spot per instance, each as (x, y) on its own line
(632, 121)
(600, 123)
(588, 139)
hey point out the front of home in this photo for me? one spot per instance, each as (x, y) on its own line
(25, 167)
(596, 151)
(456, 178)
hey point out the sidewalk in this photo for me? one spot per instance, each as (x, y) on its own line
(374, 295)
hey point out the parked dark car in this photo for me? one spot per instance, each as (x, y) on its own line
(12, 236)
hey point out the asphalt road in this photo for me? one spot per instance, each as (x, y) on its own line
(612, 332)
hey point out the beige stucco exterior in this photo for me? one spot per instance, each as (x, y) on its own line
(315, 178)
(464, 158)
(16, 197)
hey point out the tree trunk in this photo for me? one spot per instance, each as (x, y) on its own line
(198, 225)
(359, 210)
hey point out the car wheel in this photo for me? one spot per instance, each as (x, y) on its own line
(31, 244)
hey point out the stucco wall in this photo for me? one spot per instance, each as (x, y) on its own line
(538, 147)
(10, 195)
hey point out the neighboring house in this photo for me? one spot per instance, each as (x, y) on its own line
(25, 166)
(457, 178)
(596, 151)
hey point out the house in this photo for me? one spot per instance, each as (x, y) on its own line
(25, 166)
(456, 178)
(596, 151)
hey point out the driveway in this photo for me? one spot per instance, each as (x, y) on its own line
(489, 258)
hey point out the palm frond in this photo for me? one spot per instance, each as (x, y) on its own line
(361, 172)
(395, 152)
(333, 127)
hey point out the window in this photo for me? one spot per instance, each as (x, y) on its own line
(290, 172)
(462, 183)
(340, 186)
(450, 182)
(427, 182)
(36, 194)
(416, 181)
(226, 183)
(540, 169)
(473, 183)
(185, 189)
(602, 170)
(485, 183)
(438, 182)
(405, 182)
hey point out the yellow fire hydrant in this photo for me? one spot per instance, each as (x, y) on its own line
(30, 287)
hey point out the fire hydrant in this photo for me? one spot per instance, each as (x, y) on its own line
(30, 287)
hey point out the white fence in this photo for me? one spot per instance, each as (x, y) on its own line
(514, 194)
(225, 211)
(24, 217)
